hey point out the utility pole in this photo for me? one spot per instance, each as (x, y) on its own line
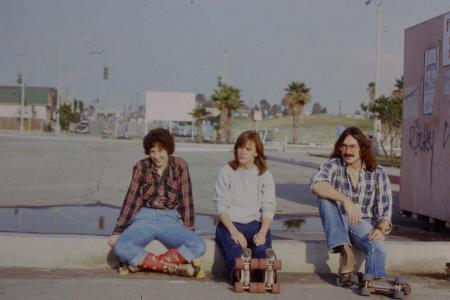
(22, 92)
(58, 95)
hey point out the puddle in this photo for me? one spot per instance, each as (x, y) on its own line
(100, 220)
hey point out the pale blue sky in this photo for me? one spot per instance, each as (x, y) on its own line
(258, 46)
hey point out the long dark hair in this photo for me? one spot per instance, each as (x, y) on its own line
(364, 143)
(260, 160)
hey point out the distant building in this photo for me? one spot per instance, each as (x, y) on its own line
(39, 107)
(243, 111)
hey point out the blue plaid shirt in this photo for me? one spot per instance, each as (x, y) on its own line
(373, 193)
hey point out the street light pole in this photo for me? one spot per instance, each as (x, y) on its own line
(377, 125)
(376, 121)
(58, 95)
(377, 52)
(22, 97)
(22, 92)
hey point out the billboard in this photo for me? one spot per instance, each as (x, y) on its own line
(168, 106)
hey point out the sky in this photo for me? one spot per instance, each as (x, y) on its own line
(258, 46)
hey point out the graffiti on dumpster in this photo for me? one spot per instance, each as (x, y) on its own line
(446, 134)
(421, 137)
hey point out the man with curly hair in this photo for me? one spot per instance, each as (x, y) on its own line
(355, 203)
(158, 206)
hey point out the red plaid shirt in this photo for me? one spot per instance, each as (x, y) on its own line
(174, 191)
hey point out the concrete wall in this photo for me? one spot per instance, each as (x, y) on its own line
(92, 252)
(425, 168)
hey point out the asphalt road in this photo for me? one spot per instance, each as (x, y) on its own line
(45, 170)
(106, 284)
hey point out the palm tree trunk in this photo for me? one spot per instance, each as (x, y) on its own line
(295, 139)
(228, 126)
(223, 120)
(199, 137)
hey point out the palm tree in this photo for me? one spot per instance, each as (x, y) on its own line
(296, 97)
(199, 113)
(398, 92)
(371, 90)
(227, 100)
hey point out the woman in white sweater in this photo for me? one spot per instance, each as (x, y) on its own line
(244, 196)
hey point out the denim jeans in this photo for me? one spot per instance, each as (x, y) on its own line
(231, 250)
(165, 226)
(339, 232)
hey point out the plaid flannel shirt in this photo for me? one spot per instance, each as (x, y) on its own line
(174, 190)
(373, 193)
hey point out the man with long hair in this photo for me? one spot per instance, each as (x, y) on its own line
(355, 202)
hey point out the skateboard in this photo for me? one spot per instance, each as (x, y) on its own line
(397, 288)
(349, 279)
(192, 269)
(244, 266)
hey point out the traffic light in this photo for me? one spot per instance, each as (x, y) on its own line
(105, 73)
(19, 79)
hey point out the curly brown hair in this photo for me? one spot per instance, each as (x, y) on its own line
(161, 137)
(260, 160)
(364, 143)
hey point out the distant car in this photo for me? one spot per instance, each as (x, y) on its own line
(82, 129)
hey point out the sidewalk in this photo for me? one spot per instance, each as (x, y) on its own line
(41, 284)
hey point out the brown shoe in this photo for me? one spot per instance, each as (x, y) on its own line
(347, 260)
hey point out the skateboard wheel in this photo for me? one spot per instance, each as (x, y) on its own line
(407, 289)
(276, 288)
(399, 295)
(200, 274)
(277, 264)
(238, 287)
(260, 287)
(262, 263)
(238, 264)
(365, 291)
(253, 288)
(254, 262)
(123, 271)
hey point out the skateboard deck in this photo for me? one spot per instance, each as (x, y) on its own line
(396, 288)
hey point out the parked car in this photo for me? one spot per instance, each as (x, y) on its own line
(81, 128)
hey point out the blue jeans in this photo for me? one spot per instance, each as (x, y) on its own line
(165, 226)
(338, 232)
(231, 250)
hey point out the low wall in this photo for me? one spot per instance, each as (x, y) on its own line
(92, 252)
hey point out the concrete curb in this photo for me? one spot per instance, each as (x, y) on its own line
(92, 252)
